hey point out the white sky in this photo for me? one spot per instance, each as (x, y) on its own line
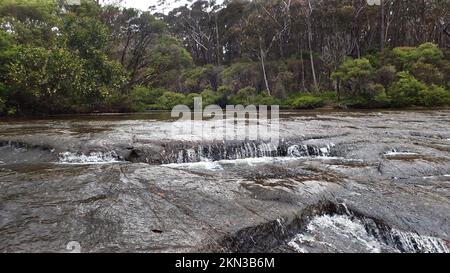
(144, 4)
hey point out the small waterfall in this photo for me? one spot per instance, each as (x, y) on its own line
(232, 151)
(309, 150)
(342, 232)
(412, 243)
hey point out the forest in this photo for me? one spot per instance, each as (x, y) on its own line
(300, 54)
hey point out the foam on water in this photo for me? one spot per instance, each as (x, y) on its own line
(412, 242)
(395, 152)
(251, 161)
(338, 225)
(343, 233)
(435, 176)
(232, 151)
(91, 158)
(218, 165)
(204, 165)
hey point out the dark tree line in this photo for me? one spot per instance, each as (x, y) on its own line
(298, 53)
(317, 32)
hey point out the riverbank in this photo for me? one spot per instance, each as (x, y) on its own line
(165, 114)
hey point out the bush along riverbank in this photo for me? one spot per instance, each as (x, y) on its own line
(58, 59)
(397, 78)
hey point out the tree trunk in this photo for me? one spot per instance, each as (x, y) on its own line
(382, 25)
(303, 71)
(338, 89)
(217, 41)
(311, 57)
(263, 65)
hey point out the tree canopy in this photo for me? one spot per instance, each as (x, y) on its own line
(57, 58)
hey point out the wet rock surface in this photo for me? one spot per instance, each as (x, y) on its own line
(338, 182)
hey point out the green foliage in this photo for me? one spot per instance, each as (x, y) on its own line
(382, 100)
(48, 80)
(427, 73)
(405, 92)
(328, 96)
(308, 101)
(434, 96)
(375, 59)
(7, 53)
(241, 75)
(210, 97)
(263, 98)
(355, 102)
(429, 52)
(189, 101)
(196, 79)
(405, 57)
(354, 69)
(105, 58)
(30, 21)
(169, 100)
(87, 35)
(193, 78)
(224, 90)
(386, 75)
(355, 74)
(244, 96)
(167, 61)
(144, 98)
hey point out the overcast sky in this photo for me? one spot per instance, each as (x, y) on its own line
(144, 4)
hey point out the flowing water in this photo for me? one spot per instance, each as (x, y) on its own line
(336, 182)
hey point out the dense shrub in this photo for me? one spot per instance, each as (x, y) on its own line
(241, 75)
(51, 81)
(308, 101)
(382, 100)
(355, 75)
(244, 96)
(386, 75)
(210, 97)
(189, 100)
(405, 92)
(196, 79)
(169, 100)
(354, 102)
(427, 73)
(144, 98)
(434, 96)
(264, 99)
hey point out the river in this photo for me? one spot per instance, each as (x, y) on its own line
(339, 181)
